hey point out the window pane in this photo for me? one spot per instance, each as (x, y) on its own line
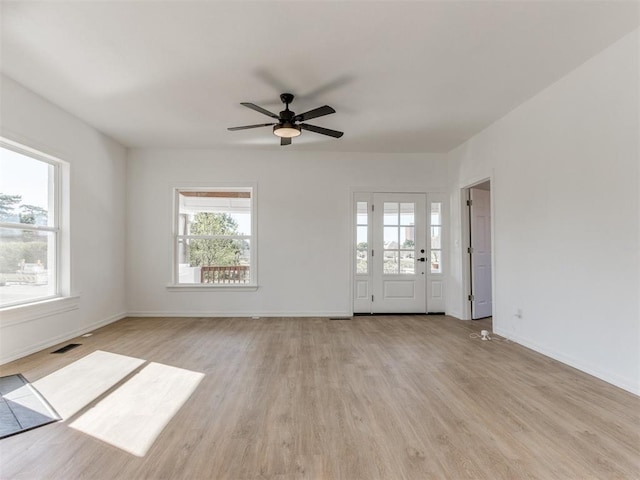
(436, 261)
(391, 264)
(362, 252)
(27, 265)
(362, 213)
(214, 261)
(362, 263)
(436, 213)
(436, 237)
(362, 236)
(26, 189)
(407, 262)
(215, 213)
(391, 213)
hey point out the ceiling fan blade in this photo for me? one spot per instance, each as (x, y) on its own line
(323, 131)
(285, 141)
(315, 113)
(255, 107)
(233, 129)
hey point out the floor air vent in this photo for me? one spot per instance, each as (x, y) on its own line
(66, 348)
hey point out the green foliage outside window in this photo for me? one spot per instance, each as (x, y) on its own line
(22, 248)
(7, 205)
(15, 254)
(214, 251)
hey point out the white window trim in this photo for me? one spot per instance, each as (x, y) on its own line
(252, 187)
(45, 306)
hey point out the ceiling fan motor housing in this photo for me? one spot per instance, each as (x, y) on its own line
(287, 116)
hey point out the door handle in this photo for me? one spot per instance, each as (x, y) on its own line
(422, 259)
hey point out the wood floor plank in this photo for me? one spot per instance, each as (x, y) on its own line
(389, 397)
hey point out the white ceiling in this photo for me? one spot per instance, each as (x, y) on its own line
(419, 76)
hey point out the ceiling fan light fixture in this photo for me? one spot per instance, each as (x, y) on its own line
(287, 126)
(286, 130)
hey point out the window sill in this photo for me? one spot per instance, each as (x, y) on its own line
(33, 311)
(208, 288)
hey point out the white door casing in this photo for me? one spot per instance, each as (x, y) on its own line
(480, 222)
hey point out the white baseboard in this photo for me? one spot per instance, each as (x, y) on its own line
(609, 377)
(60, 338)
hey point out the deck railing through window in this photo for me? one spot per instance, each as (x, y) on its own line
(238, 274)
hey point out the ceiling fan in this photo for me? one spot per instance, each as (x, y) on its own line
(288, 125)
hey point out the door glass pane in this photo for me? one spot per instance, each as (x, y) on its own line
(436, 261)
(362, 213)
(407, 237)
(391, 213)
(436, 213)
(407, 213)
(436, 237)
(391, 237)
(391, 265)
(407, 262)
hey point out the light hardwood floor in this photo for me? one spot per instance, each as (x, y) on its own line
(389, 397)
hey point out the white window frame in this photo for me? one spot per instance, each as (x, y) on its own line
(61, 299)
(253, 238)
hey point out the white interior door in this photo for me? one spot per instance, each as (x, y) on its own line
(480, 217)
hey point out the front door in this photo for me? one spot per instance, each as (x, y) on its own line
(391, 253)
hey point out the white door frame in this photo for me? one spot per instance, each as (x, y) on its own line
(466, 243)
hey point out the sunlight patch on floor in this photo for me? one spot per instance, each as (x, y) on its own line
(73, 387)
(132, 417)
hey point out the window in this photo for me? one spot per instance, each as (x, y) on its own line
(362, 234)
(29, 225)
(215, 237)
(436, 237)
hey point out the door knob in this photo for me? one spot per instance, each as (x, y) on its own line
(422, 259)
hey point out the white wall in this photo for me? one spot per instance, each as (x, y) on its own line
(565, 188)
(97, 214)
(304, 225)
